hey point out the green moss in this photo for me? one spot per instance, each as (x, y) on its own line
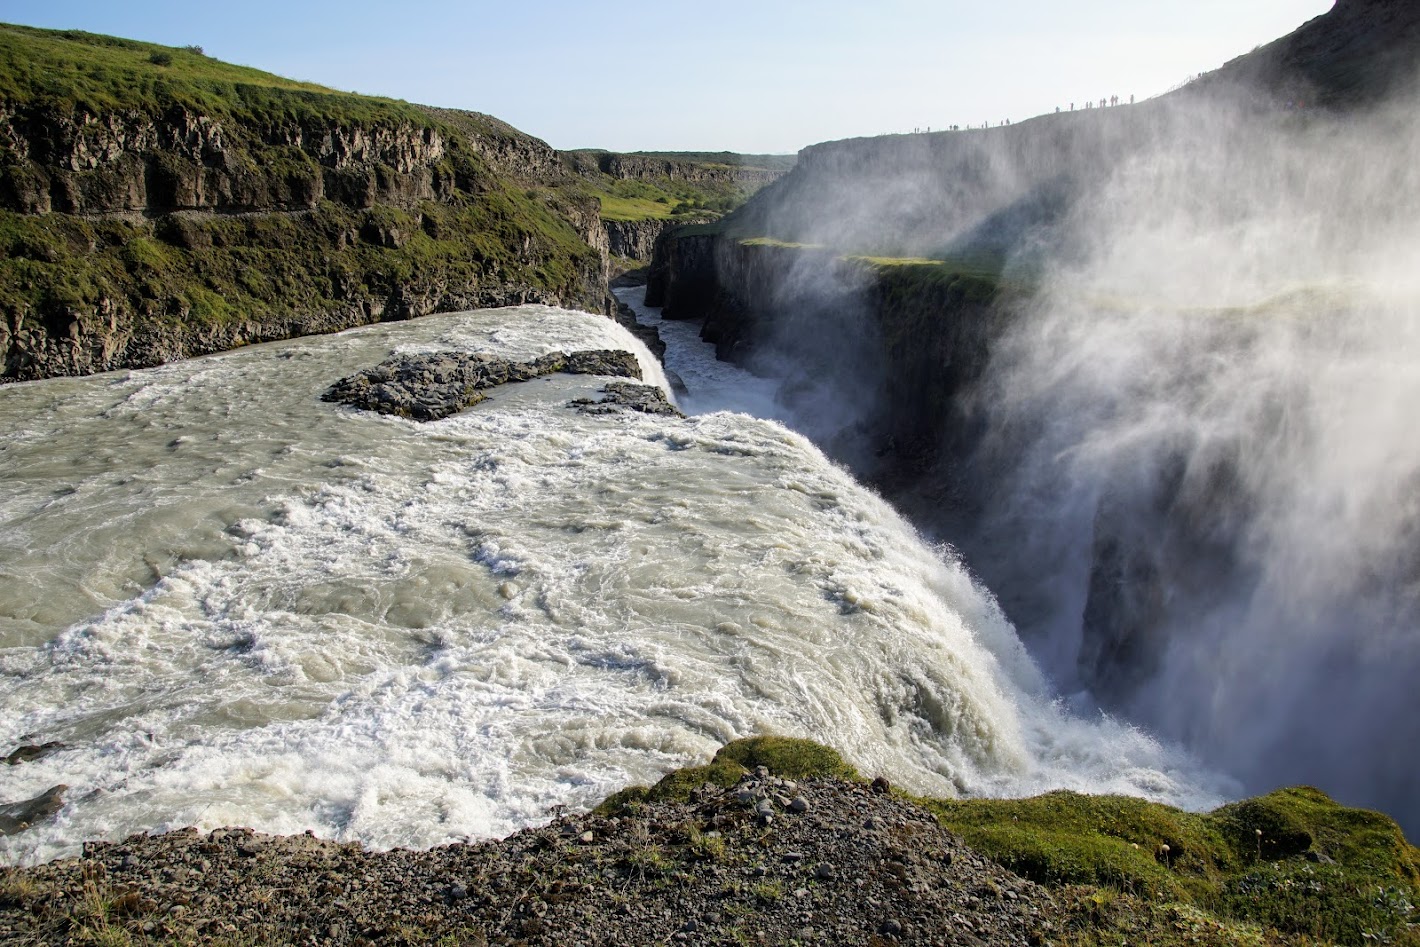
(1319, 873)
(1318, 869)
(785, 757)
(1065, 838)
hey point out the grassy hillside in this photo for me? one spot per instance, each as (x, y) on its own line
(148, 189)
(72, 71)
(207, 270)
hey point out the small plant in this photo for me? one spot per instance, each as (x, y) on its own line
(705, 847)
(16, 888)
(161, 58)
(93, 918)
(195, 50)
(768, 891)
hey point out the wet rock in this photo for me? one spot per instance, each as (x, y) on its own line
(648, 399)
(17, 816)
(650, 336)
(435, 385)
(30, 752)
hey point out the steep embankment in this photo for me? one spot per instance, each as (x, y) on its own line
(875, 351)
(776, 842)
(1146, 295)
(156, 204)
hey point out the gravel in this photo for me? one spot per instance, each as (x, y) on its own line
(841, 863)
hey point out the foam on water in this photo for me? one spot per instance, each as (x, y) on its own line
(235, 604)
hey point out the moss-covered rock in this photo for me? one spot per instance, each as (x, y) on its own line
(1292, 862)
(1290, 867)
(785, 757)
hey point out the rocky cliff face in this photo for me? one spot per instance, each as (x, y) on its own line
(635, 239)
(899, 344)
(630, 167)
(85, 163)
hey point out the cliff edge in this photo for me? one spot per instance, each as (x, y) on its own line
(156, 204)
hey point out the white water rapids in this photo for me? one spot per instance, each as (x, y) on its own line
(235, 604)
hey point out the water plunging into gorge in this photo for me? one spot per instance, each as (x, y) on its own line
(232, 603)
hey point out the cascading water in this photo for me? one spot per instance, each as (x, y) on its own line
(232, 603)
(1202, 461)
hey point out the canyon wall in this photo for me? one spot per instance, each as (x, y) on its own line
(175, 220)
(1137, 366)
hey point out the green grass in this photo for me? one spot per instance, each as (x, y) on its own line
(945, 280)
(661, 200)
(783, 244)
(632, 208)
(214, 269)
(73, 71)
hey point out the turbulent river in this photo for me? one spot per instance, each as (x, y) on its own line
(232, 603)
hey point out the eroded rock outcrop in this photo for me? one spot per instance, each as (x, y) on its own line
(427, 387)
(635, 239)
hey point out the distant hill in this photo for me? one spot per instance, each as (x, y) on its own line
(1360, 51)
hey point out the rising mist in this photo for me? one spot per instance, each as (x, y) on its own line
(1204, 430)
(1190, 471)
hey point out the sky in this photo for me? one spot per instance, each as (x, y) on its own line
(753, 76)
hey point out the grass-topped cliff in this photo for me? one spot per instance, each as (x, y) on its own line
(673, 185)
(156, 203)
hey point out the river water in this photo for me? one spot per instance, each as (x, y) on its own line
(233, 603)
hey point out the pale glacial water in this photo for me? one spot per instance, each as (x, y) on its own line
(235, 604)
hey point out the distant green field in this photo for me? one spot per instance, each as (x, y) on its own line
(660, 200)
(665, 197)
(728, 159)
(632, 208)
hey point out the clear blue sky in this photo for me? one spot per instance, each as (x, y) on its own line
(739, 75)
